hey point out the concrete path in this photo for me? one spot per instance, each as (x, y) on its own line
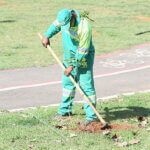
(115, 73)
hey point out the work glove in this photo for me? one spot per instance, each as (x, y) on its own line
(45, 41)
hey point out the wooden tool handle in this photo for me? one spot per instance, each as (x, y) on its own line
(76, 85)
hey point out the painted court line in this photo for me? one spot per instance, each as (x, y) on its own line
(121, 71)
(121, 51)
(56, 105)
(126, 70)
(29, 85)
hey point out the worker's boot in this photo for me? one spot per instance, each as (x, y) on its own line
(59, 116)
(85, 123)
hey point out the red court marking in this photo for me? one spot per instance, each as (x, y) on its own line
(124, 69)
(120, 51)
(55, 81)
(142, 45)
(109, 54)
(29, 84)
(99, 56)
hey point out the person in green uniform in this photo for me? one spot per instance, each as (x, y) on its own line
(78, 59)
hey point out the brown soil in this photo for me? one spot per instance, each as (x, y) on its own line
(1, 3)
(94, 32)
(143, 17)
(95, 127)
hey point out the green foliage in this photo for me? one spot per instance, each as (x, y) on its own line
(82, 63)
(84, 13)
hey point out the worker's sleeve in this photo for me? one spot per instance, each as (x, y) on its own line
(85, 35)
(53, 29)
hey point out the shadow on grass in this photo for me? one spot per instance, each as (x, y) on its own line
(116, 113)
(7, 21)
(142, 32)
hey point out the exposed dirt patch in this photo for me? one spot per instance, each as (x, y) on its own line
(94, 32)
(95, 127)
(1, 3)
(143, 17)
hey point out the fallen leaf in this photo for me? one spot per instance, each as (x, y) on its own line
(144, 122)
(30, 146)
(135, 132)
(116, 137)
(106, 132)
(121, 144)
(61, 127)
(34, 140)
(64, 128)
(73, 135)
(78, 123)
(12, 141)
(58, 126)
(23, 116)
(58, 141)
(142, 119)
(141, 126)
(134, 141)
(148, 129)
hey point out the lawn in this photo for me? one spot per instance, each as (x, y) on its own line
(22, 131)
(116, 27)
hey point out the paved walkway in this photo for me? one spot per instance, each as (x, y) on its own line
(114, 73)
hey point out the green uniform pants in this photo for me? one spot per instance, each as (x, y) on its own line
(85, 78)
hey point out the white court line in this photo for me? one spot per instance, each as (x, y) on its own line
(98, 99)
(58, 82)
(29, 86)
(120, 72)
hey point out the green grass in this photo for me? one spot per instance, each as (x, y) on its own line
(20, 131)
(115, 24)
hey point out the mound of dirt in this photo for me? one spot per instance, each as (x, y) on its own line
(96, 127)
